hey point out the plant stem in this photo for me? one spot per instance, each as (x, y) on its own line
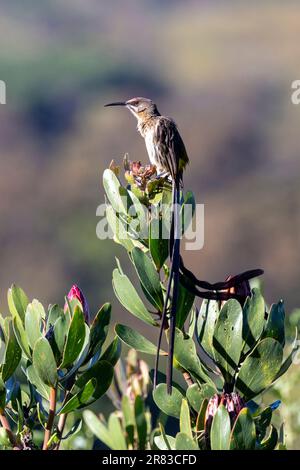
(63, 418)
(60, 428)
(12, 438)
(52, 407)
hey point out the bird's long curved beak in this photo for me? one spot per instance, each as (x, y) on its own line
(117, 103)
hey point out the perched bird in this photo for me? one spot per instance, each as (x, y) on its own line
(167, 152)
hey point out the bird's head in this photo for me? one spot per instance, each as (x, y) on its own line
(141, 108)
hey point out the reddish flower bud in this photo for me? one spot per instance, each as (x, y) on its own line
(76, 293)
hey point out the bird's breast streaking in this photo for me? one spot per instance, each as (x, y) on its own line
(164, 144)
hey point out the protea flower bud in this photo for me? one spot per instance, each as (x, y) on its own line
(233, 403)
(76, 293)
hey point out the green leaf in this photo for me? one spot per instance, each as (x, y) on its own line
(200, 423)
(128, 297)
(206, 322)
(81, 398)
(44, 362)
(141, 423)
(33, 322)
(99, 328)
(164, 442)
(35, 380)
(184, 305)
(168, 442)
(260, 368)
(169, 404)
(128, 418)
(185, 419)
(185, 442)
(98, 428)
(21, 336)
(76, 428)
(196, 394)
(262, 421)
(139, 212)
(75, 339)
(4, 327)
(220, 430)
(55, 312)
(117, 194)
(17, 302)
(243, 434)
(149, 277)
(135, 340)
(5, 443)
(119, 229)
(227, 339)
(275, 323)
(271, 441)
(290, 358)
(159, 246)
(82, 357)
(103, 372)
(113, 352)
(116, 431)
(253, 319)
(185, 353)
(162, 379)
(61, 327)
(13, 354)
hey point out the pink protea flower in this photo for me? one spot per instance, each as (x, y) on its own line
(76, 293)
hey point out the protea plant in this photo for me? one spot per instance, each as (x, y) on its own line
(61, 359)
(240, 341)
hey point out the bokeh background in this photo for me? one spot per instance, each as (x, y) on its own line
(222, 69)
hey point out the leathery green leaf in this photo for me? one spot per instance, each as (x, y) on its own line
(149, 277)
(75, 338)
(243, 434)
(220, 430)
(44, 362)
(135, 340)
(260, 368)
(17, 302)
(169, 404)
(129, 298)
(227, 339)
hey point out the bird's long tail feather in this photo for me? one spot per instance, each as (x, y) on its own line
(175, 268)
(173, 279)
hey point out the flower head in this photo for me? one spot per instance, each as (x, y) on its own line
(138, 174)
(76, 293)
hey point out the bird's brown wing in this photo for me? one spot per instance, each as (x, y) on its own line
(170, 149)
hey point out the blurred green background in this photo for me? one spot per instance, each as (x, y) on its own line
(222, 69)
